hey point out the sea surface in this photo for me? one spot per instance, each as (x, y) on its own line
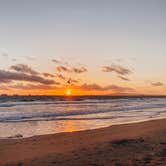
(38, 115)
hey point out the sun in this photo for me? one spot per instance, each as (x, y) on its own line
(68, 92)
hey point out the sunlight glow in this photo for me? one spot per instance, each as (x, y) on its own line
(68, 92)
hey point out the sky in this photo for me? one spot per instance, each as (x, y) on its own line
(83, 47)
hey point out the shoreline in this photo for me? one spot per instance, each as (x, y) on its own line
(108, 142)
(21, 136)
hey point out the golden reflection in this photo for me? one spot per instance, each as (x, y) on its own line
(70, 126)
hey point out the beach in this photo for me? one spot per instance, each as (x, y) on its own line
(83, 83)
(142, 143)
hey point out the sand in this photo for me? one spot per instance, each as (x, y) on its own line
(134, 144)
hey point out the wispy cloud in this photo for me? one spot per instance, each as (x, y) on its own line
(33, 86)
(77, 70)
(60, 76)
(5, 55)
(74, 81)
(60, 62)
(117, 69)
(63, 66)
(63, 69)
(124, 78)
(96, 87)
(14, 59)
(23, 68)
(57, 61)
(48, 75)
(67, 79)
(84, 87)
(157, 84)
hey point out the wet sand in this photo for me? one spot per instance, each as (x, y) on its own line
(136, 144)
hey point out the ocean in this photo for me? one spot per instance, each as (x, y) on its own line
(39, 115)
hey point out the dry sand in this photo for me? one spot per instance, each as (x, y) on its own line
(121, 145)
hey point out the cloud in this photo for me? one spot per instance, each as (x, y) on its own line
(7, 76)
(92, 87)
(74, 80)
(63, 69)
(14, 59)
(120, 88)
(62, 66)
(60, 62)
(48, 75)
(5, 55)
(117, 69)
(85, 87)
(23, 68)
(68, 80)
(57, 61)
(33, 86)
(77, 70)
(60, 76)
(124, 78)
(157, 84)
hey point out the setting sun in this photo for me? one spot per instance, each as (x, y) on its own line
(68, 92)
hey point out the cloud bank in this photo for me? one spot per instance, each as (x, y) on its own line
(96, 87)
(8, 76)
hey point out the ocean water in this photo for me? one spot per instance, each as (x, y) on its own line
(38, 115)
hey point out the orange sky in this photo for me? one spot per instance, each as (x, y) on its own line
(102, 48)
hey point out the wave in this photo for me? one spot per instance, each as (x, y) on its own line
(80, 108)
(62, 115)
(15, 98)
(75, 101)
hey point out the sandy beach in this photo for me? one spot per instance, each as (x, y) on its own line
(83, 83)
(141, 143)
